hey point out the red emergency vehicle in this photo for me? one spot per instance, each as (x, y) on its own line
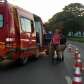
(21, 33)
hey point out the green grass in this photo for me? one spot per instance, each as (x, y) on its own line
(77, 39)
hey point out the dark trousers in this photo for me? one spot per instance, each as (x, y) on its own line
(53, 48)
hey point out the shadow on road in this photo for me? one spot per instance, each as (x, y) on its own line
(13, 65)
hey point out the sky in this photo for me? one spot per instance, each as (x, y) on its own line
(44, 8)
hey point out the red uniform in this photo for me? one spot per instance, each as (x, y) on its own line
(56, 39)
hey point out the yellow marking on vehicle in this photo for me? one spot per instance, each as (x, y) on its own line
(2, 45)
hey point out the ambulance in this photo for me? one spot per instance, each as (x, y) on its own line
(21, 34)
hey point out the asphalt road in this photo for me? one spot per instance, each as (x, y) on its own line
(41, 71)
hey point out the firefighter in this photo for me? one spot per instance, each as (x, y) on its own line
(48, 36)
(54, 45)
(62, 45)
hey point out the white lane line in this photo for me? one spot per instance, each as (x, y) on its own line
(68, 79)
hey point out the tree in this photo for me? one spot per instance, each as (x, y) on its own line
(75, 9)
(71, 18)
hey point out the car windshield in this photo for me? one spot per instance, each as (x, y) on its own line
(1, 20)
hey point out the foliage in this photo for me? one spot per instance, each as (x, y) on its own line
(71, 19)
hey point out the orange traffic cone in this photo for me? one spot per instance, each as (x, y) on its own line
(76, 52)
(77, 49)
(77, 56)
(78, 63)
(77, 72)
(72, 51)
(69, 47)
(77, 79)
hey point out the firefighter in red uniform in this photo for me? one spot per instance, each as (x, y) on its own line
(54, 45)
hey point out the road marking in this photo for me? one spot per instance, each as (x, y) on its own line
(68, 79)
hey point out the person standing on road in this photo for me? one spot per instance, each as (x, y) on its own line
(48, 36)
(55, 42)
(62, 45)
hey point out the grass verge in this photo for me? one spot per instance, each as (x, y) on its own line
(77, 39)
